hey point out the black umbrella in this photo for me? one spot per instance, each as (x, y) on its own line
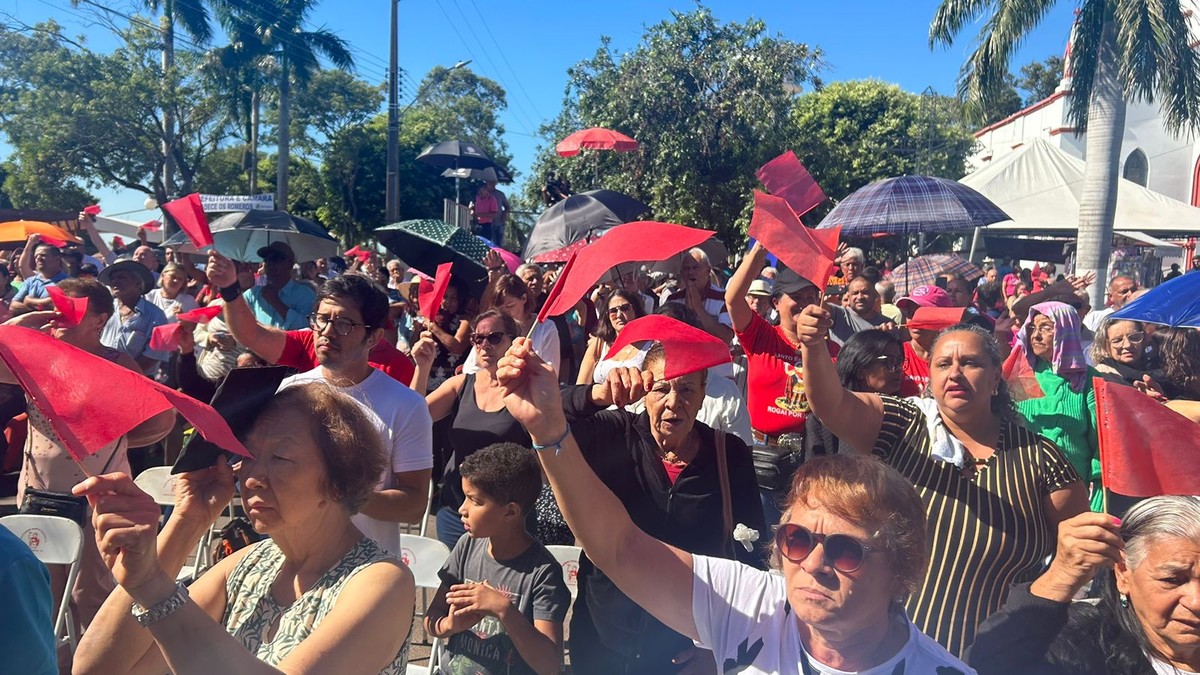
(578, 216)
(498, 174)
(456, 155)
(425, 244)
(240, 234)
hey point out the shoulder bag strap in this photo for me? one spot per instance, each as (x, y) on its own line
(726, 498)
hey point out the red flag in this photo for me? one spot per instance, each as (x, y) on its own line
(560, 282)
(1146, 449)
(429, 298)
(71, 309)
(74, 391)
(92, 210)
(358, 252)
(687, 349)
(165, 338)
(631, 242)
(786, 177)
(189, 215)
(56, 243)
(200, 314)
(936, 318)
(1020, 378)
(808, 252)
(152, 225)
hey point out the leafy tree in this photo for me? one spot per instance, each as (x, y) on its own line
(26, 185)
(1121, 50)
(456, 103)
(849, 134)
(708, 102)
(1039, 79)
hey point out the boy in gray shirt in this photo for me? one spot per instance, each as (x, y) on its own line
(503, 600)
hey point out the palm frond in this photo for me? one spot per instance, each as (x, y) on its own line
(328, 44)
(950, 18)
(985, 73)
(1157, 60)
(193, 17)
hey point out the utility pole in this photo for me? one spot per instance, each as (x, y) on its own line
(393, 128)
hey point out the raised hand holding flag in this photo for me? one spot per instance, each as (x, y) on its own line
(189, 215)
(165, 338)
(787, 178)
(430, 294)
(807, 252)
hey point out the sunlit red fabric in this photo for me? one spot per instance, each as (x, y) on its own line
(430, 294)
(165, 338)
(936, 318)
(152, 225)
(200, 314)
(1146, 449)
(686, 349)
(787, 178)
(74, 391)
(1020, 378)
(596, 138)
(189, 215)
(70, 309)
(808, 252)
(92, 209)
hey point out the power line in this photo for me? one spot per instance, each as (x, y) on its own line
(520, 109)
(503, 57)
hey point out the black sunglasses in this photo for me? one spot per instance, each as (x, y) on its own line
(842, 552)
(613, 311)
(495, 338)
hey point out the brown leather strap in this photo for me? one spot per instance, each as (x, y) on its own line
(723, 475)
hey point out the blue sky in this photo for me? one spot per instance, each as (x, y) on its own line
(528, 46)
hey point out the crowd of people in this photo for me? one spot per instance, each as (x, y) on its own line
(856, 490)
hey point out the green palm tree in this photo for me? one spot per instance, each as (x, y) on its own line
(276, 28)
(1121, 50)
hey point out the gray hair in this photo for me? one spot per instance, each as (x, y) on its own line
(1158, 518)
(856, 254)
(886, 290)
(525, 267)
(1099, 349)
(700, 255)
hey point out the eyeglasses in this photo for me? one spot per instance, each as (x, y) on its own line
(892, 363)
(1044, 329)
(842, 552)
(493, 339)
(613, 311)
(341, 325)
(1132, 338)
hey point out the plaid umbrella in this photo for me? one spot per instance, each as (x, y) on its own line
(925, 269)
(911, 204)
(425, 244)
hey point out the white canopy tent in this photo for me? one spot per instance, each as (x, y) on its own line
(1040, 186)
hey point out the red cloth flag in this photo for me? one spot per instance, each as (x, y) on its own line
(74, 391)
(936, 318)
(631, 242)
(189, 215)
(808, 252)
(200, 314)
(686, 349)
(165, 338)
(429, 295)
(560, 282)
(152, 225)
(358, 252)
(786, 177)
(1020, 378)
(56, 243)
(92, 210)
(71, 309)
(1146, 449)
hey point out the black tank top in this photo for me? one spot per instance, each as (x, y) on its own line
(474, 429)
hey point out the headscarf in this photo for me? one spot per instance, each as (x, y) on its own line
(1068, 361)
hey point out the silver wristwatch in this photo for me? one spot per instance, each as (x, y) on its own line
(146, 617)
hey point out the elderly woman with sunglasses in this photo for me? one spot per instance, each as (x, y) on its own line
(476, 403)
(1147, 620)
(621, 307)
(852, 544)
(994, 491)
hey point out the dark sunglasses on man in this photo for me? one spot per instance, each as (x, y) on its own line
(842, 552)
(493, 339)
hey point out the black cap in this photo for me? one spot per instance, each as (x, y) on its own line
(241, 396)
(788, 282)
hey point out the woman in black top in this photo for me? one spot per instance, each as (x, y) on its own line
(475, 403)
(1120, 352)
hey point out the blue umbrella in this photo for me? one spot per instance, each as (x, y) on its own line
(1174, 303)
(912, 204)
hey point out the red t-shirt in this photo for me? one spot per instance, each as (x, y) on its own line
(300, 352)
(776, 398)
(916, 373)
(673, 471)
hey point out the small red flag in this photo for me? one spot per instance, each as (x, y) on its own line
(786, 177)
(92, 210)
(808, 252)
(1020, 378)
(936, 318)
(152, 225)
(189, 215)
(429, 295)
(1146, 449)
(687, 349)
(358, 252)
(74, 389)
(165, 338)
(631, 242)
(71, 309)
(560, 282)
(200, 314)
(56, 243)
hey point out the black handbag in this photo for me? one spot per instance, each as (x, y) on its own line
(49, 503)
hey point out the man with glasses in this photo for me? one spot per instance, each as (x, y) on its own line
(345, 327)
(282, 302)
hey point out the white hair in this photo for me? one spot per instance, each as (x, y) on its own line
(700, 255)
(525, 267)
(854, 254)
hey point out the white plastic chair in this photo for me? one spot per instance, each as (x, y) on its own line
(159, 483)
(425, 557)
(422, 526)
(568, 557)
(54, 541)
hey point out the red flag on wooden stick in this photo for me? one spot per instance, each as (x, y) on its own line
(687, 349)
(631, 242)
(189, 215)
(70, 309)
(1146, 449)
(560, 282)
(808, 252)
(1020, 378)
(786, 177)
(429, 295)
(74, 389)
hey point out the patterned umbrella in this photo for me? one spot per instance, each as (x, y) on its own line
(580, 216)
(925, 269)
(425, 244)
(561, 255)
(911, 204)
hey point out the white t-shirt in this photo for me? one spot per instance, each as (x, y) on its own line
(545, 345)
(402, 419)
(1093, 319)
(172, 307)
(741, 615)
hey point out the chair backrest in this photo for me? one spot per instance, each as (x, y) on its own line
(425, 557)
(52, 539)
(568, 557)
(158, 482)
